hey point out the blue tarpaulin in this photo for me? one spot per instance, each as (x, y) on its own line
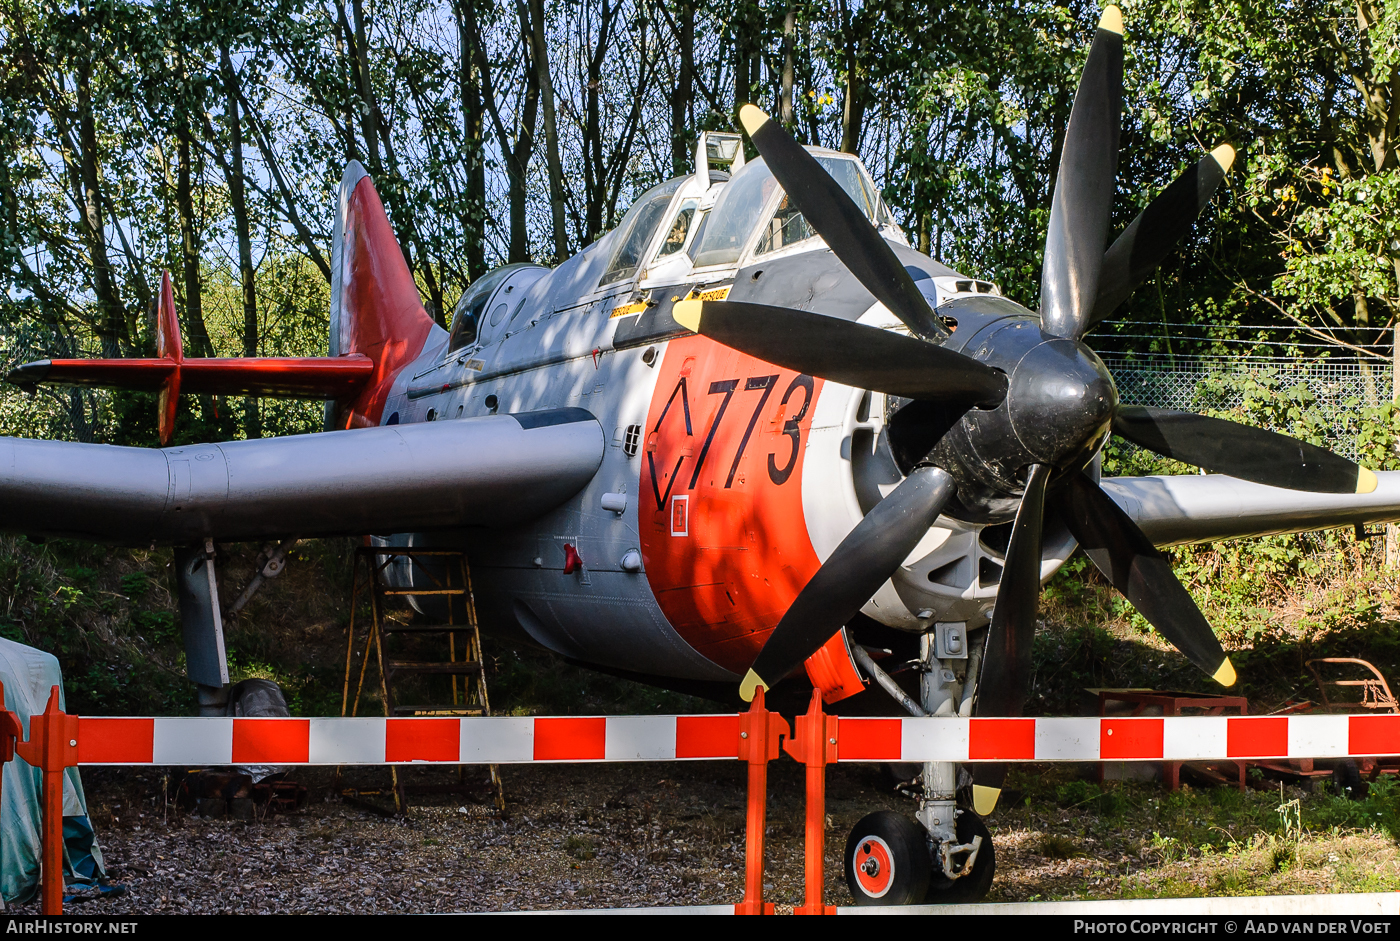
(28, 675)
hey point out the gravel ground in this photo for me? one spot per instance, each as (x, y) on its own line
(575, 836)
(625, 835)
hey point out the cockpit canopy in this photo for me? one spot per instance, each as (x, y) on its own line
(467, 315)
(636, 229)
(741, 205)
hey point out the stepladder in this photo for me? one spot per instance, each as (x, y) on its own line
(420, 607)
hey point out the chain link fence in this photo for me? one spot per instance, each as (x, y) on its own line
(1335, 387)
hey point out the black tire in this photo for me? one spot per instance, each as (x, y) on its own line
(887, 860)
(1347, 781)
(974, 886)
(897, 773)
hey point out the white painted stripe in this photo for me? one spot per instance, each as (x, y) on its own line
(1351, 903)
(203, 741)
(933, 739)
(490, 740)
(640, 738)
(347, 741)
(1317, 736)
(1192, 738)
(1067, 740)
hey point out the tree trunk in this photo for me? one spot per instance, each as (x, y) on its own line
(741, 70)
(112, 326)
(594, 164)
(193, 313)
(853, 108)
(470, 91)
(517, 153)
(786, 110)
(551, 131)
(344, 48)
(683, 99)
(252, 424)
(366, 89)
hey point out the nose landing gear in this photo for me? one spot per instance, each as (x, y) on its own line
(965, 869)
(945, 855)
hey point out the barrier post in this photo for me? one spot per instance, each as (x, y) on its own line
(10, 732)
(760, 734)
(814, 744)
(52, 746)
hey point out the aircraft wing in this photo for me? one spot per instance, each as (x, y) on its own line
(490, 470)
(1188, 508)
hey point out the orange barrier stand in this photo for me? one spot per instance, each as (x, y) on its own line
(52, 746)
(815, 746)
(760, 734)
(10, 731)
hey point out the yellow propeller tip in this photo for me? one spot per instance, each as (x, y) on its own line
(984, 799)
(752, 118)
(1225, 156)
(1366, 481)
(1112, 20)
(687, 314)
(748, 688)
(1225, 676)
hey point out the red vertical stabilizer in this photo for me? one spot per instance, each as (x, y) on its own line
(168, 347)
(375, 306)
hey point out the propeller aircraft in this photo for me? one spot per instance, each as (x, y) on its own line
(748, 439)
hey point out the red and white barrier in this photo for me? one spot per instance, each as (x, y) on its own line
(1185, 738)
(58, 741)
(513, 740)
(371, 741)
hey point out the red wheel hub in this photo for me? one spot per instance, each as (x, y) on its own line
(874, 866)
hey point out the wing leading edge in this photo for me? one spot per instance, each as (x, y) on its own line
(1177, 510)
(488, 471)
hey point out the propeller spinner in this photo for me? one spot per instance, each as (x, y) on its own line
(1006, 426)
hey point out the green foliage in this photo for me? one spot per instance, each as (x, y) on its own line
(1379, 810)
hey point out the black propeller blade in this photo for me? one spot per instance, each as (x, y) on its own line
(1079, 212)
(1144, 576)
(842, 351)
(841, 223)
(855, 571)
(1006, 665)
(1150, 237)
(1253, 454)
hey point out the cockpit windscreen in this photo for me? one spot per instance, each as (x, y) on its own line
(788, 225)
(736, 212)
(637, 228)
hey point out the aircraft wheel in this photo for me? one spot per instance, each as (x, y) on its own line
(974, 886)
(887, 861)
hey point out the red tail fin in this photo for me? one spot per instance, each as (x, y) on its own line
(168, 347)
(375, 307)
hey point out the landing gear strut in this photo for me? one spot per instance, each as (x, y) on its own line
(957, 862)
(963, 861)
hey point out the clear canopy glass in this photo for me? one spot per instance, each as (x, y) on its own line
(737, 211)
(637, 228)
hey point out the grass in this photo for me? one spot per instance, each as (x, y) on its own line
(1072, 839)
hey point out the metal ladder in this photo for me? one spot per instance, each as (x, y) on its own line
(464, 663)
